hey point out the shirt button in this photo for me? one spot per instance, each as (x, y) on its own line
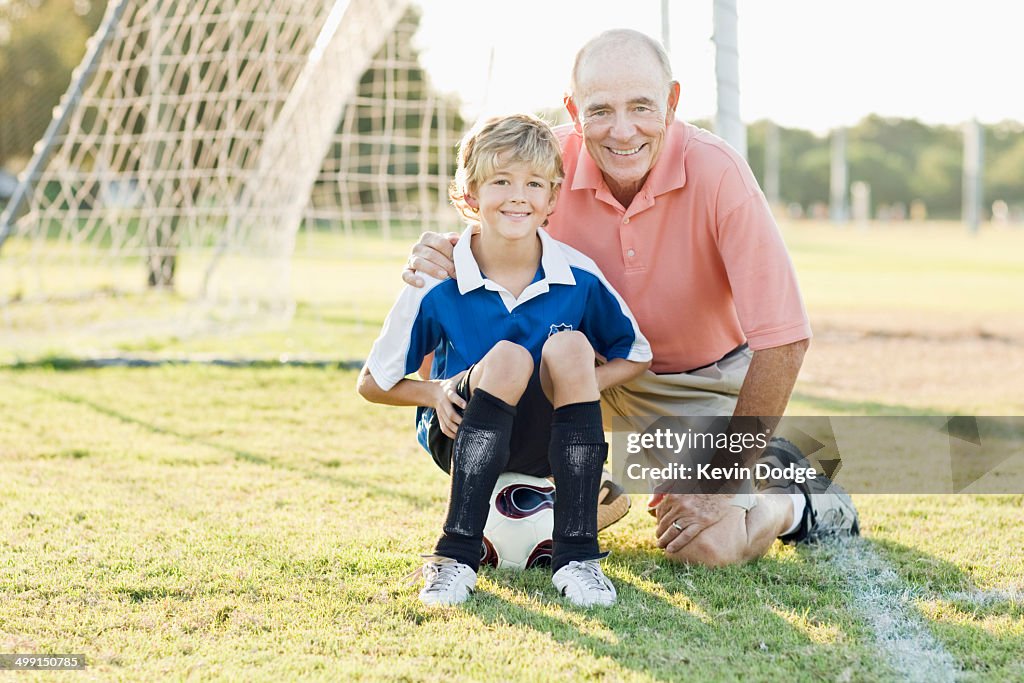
(631, 253)
(625, 220)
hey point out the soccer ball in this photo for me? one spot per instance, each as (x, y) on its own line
(518, 530)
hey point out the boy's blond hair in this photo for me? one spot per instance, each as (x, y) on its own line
(517, 138)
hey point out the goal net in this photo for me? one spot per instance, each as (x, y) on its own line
(196, 143)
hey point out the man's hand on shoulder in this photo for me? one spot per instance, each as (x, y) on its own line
(431, 255)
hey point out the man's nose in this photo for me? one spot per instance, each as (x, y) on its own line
(623, 127)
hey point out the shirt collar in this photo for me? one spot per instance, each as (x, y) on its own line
(668, 173)
(552, 259)
(467, 272)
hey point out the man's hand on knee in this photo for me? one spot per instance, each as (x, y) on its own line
(681, 517)
(431, 255)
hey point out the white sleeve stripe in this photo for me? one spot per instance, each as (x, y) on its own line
(390, 352)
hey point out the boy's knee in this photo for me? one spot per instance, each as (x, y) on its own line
(568, 349)
(505, 371)
(511, 358)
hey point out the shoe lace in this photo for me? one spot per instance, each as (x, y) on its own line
(590, 575)
(439, 575)
(832, 522)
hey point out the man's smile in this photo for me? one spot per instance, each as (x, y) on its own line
(626, 152)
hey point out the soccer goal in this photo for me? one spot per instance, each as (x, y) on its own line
(196, 142)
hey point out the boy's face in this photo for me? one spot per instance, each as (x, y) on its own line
(514, 201)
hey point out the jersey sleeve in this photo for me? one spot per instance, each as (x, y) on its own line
(410, 332)
(767, 295)
(609, 324)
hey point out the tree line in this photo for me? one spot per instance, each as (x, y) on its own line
(903, 160)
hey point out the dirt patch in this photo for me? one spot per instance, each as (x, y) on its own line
(968, 364)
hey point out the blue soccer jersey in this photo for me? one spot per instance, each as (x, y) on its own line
(461, 320)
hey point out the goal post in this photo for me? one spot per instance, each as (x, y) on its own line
(194, 144)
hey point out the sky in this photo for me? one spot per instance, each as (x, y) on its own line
(813, 64)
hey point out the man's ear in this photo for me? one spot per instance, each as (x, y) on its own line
(673, 99)
(570, 106)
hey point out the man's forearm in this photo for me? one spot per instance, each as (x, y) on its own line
(766, 390)
(770, 379)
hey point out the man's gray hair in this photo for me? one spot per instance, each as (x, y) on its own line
(620, 37)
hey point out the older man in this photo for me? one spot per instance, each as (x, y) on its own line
(675, 219)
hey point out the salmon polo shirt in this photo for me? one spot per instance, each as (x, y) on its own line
(697, 255)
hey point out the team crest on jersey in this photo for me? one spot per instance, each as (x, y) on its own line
(561, 327)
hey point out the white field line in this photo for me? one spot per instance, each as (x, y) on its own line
(985, 598)
(885, 603)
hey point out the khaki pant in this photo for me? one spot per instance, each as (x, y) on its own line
(709, 391)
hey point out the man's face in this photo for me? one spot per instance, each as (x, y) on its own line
(623, 106)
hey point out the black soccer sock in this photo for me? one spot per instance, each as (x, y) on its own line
(479, 456)
(577, 453)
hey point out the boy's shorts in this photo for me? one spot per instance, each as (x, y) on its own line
(531, 431)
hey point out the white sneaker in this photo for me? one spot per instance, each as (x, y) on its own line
(584, 584)
(448, 582)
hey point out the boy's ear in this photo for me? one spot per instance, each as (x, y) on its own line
(472, 202)
(554, 198)
(551, 205)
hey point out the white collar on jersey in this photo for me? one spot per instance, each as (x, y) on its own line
(552, 260)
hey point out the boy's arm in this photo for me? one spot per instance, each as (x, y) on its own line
(437, 394)
(619, 371)
(614, 334)
(405, 393)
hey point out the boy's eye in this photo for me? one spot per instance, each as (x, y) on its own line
(500, 181)
(536, 183)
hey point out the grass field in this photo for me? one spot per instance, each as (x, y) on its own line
(212, 523)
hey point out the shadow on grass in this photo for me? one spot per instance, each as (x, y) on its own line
(960, 615)
(238, 453)
(921, 570)
(776, 618)
(769, 619)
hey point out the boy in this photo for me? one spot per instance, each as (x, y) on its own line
(514, 385)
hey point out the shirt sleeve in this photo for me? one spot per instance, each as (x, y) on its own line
(765, 290)
(410, 332)
(609, 324)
